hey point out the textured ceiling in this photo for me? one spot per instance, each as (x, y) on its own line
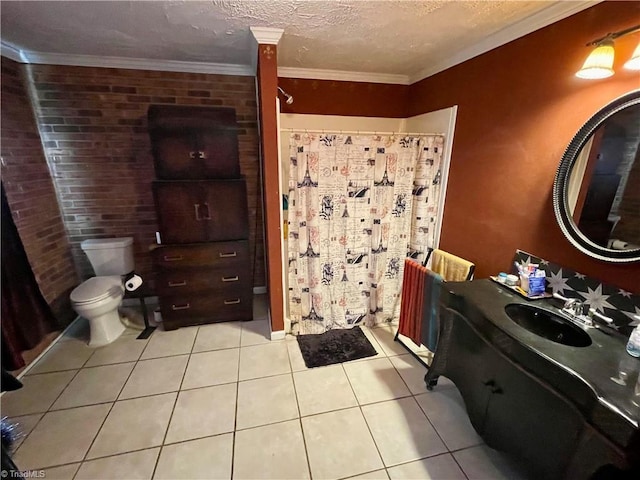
(386, 37)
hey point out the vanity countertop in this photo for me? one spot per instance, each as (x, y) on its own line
(583, 374)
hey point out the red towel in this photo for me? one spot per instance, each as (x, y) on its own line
(412, 298)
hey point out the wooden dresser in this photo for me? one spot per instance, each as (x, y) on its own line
(203, 267)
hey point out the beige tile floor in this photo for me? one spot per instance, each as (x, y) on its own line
(223, 401)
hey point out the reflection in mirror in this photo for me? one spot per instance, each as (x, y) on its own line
(604, 183)
(596, 192)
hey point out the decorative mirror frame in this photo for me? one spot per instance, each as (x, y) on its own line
(560, 185)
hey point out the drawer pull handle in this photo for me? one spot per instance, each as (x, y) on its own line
(226, 255)
(181, 307)
(175, 258)
(197, 154)
(230, 279)
(178, 284)
(232, 302)
(208, 214)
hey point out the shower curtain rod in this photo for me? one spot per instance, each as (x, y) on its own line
(357, 132)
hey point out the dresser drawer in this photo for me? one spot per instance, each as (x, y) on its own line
(231, 255)
(182, 310)
(213, 279)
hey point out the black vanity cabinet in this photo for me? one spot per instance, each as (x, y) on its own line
(553, 407)
(505, 403)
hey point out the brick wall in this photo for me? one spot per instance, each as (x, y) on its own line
(31, 193)
(93, 122)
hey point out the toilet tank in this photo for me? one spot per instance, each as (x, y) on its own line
(110, 256)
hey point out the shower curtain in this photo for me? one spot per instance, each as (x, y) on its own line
(358, 205)
(26, 316)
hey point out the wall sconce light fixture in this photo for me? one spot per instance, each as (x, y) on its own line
(599, 63)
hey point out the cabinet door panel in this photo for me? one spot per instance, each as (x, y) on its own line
(466, 367)
(527, 418)
(202, 211)
(195, 154)
(219, 152)
(225, 210)
(173, 156)
(179, 217)
(521, 416)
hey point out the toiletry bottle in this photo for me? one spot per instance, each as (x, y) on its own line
(633, 345)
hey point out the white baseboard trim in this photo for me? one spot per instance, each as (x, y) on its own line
(278, 335)
(259, 290)
(35, 360)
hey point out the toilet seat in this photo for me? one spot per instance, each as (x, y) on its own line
(96, 289)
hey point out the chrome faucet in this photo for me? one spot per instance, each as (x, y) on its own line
(581, 313)
(576, 310)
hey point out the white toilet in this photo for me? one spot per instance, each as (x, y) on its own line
(98, 298)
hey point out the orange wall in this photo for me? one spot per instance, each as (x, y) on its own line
(330, 97)
(519, 107)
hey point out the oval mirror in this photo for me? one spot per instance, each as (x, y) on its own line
(596, 192)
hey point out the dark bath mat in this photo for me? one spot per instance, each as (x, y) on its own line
(335, 346)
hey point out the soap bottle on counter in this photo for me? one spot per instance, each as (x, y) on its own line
(633, 345)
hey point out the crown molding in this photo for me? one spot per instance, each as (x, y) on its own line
(12, 52)
(341, 75)
(137, 64)
(538, 20)
(267, 35)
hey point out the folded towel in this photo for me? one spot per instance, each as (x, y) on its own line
(450, 267)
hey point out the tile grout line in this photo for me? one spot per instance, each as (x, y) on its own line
(235, 430)
(411, 395)
(46, 411)
(364, 417)
(44, 355)
(63, 390)
(295, 394)
(104, 420)
(175, 402)
(235, 415)
(420, 408)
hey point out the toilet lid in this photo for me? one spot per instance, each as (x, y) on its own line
(96, 288)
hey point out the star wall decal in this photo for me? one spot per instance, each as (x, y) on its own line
(557, 283)
(596, 299)
(581, 276)
(524, 263)
(624, 293)
(634, 316)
